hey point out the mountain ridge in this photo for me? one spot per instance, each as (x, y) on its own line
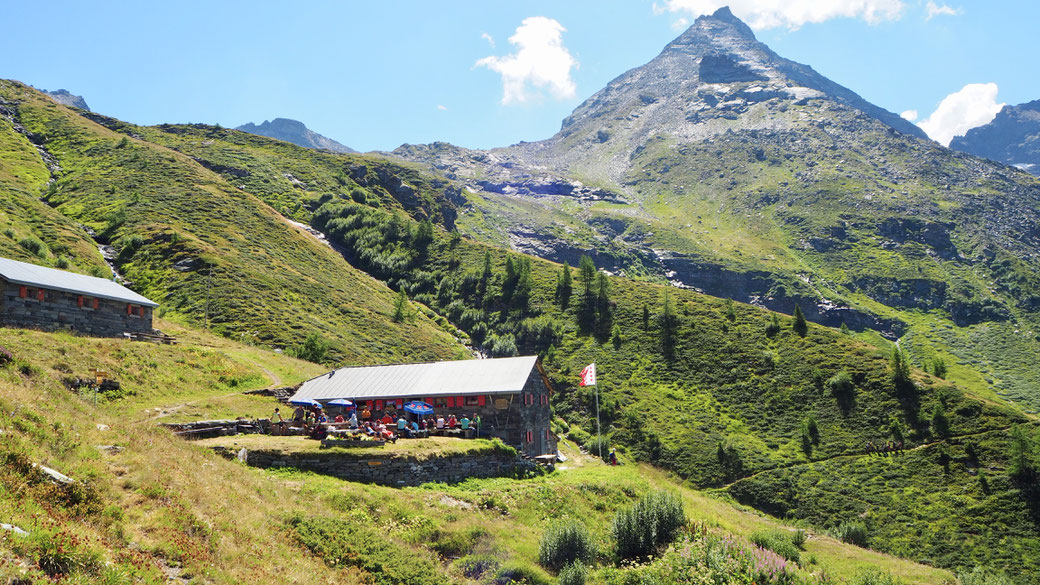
(1012, 137)
(295, 132)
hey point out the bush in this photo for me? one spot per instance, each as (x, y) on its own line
(564, 543)
(777, 541)
(655, 520)
(840, 384)
(573, 574)
(852, 532)
(5, 356)
(34, 246)
(314, 349)
(798, 539)
(597, 445)
(984, 576)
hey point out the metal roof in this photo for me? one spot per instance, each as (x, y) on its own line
(457, 378)
(17, 272)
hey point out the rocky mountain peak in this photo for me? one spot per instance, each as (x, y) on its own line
(295, 132)
(67, 98)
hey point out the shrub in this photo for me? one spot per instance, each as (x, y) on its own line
(840, 384)
(852, 532)
(798, 539)
(34, 246)
(564, 543)
(5, 356)
(598, 445)
(777, 541)
(653, 521)
(573, 574)
(984, 576)
(773, 327)
(314, 349)
(9, 233)
(62, 262)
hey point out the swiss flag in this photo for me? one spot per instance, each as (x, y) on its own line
(588, 375)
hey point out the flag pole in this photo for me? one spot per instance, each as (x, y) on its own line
(599, 437)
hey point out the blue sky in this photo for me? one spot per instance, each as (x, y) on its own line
(374, 75)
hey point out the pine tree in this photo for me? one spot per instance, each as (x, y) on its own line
(939, 368)
(800, 326)
(400, 306)
(646, 318)
(564, 286)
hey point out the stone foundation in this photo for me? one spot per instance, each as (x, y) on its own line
(391, 470)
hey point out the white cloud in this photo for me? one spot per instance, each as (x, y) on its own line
(974, 105)
(490, 39)
(909, 115)
(540, 61)
(442, 107)
(940, 9)
(763, 14)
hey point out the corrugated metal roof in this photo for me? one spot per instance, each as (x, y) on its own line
(50, 278)
(458, 378)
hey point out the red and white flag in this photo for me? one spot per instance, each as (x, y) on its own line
(588, 375)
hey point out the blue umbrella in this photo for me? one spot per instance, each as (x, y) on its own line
(304, 402)
(342, 403)
(418, 407)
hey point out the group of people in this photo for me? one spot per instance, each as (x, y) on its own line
(314, 422)
(884, 448)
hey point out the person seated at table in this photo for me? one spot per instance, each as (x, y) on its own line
(322, 419)
(401, 424)
(366, 414)
(422, 424)
(387, 434)
(452, 421)
(387, 419)
(352, 423)
(298, 416)
(415, 428)
(318, 432)
(440, 422)
(369, 430)
(464, 423)
(339, 418)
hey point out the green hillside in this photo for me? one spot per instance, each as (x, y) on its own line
(151, 508)
(192, 241)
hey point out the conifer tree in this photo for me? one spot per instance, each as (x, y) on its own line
(800, 326)
(564, 286)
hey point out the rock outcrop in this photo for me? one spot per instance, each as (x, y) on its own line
(64, 97)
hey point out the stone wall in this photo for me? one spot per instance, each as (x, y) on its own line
(391, 470)
(61, 310)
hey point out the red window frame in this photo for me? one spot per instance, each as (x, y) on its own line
(481, 400)
(530, 436)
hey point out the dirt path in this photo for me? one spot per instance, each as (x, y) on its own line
(864, 454)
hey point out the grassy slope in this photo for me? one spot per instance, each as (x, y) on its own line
(728, 383)
(262, 277)
(161, 506)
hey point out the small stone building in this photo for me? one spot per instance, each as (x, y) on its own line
(37, 297)
(511, 395)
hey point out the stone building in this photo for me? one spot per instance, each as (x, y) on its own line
(37, 297)
(511, 395)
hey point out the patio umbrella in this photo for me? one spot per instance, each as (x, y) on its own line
(418, 407)
(304, 402)
(342, 403)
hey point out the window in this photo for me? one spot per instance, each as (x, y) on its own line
(30, 293)
(530, 436)
(545, 399)
(89, 303)
(440, 402)
(472, 401)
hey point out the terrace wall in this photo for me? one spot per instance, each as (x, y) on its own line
(389, 470)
